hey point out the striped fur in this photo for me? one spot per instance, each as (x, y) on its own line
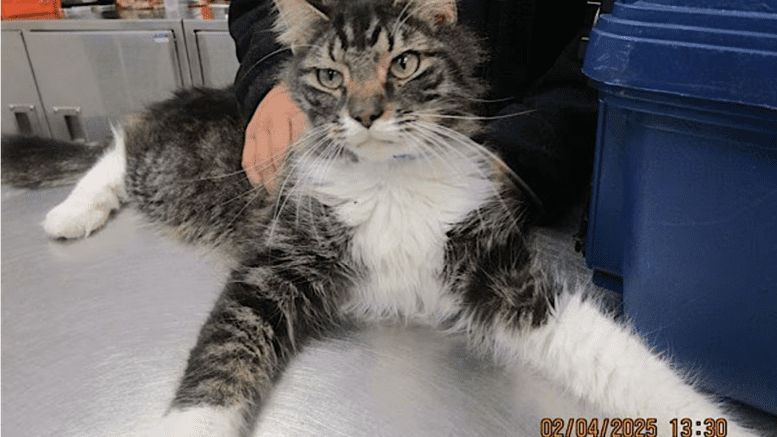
(387, 210)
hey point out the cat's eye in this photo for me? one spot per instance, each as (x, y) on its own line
(404, 65)
(329, 78)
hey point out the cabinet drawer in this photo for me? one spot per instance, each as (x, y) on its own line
(22, 111)
(88, 79)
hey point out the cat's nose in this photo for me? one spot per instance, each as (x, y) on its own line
(366, 120)
(366, 110)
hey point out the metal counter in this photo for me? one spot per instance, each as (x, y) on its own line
(95, 334)
(74, 77)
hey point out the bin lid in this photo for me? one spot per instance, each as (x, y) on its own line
(713, 52)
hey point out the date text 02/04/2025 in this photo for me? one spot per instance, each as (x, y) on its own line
(617, 427)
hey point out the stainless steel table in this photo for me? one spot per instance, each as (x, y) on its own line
(95, 334)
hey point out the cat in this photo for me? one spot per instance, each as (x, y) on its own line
(388, 210)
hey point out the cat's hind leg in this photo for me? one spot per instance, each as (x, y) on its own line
(95, 195)
(594, 358)
(608, 365)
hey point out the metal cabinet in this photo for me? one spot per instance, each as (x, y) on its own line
(72, 79)
(22, 110)
(90, 79)
(212, 58)
(91, 74)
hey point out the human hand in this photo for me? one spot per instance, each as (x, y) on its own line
(276, 124)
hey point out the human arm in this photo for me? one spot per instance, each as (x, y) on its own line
(273, 119)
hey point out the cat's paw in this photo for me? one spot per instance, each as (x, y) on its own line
(200, 422)
(76, 218)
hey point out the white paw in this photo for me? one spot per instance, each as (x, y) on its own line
(200, 422)
(76, 218)
(94, 197)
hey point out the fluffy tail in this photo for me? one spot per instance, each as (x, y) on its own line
(34, 162)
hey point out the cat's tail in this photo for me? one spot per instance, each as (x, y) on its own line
(35, 162)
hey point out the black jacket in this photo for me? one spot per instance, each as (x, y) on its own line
(534, 64)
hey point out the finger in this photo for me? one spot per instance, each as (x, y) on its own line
(252, 147)
(249, 160)
(297, 125)
(268, 152)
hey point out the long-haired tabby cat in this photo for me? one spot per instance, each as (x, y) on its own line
(387, 210)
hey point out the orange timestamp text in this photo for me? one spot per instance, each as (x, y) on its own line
(607, 427)
(627, 427)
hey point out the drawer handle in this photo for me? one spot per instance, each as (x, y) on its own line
(25, 118)
(71, 115)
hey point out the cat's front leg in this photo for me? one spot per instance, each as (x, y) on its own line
(99, 192)
(261, 319)
(204, 421)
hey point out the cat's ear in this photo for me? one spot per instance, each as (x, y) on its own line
(436, 13)
(297, 20)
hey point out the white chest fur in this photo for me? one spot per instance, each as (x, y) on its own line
(400, 212)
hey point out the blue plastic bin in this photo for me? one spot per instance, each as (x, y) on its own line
(684, 210)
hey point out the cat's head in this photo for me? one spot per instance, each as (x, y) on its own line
(380, 77)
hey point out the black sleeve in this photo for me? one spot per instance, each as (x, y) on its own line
(260, 56)
(552, 148)
(535, 64)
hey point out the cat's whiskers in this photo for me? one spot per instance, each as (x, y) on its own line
(424, 141)
(327, 159)
(443, 152)
(466, 142)
(298, 152)
(251, 191)
(260, 166)
(307, 146)
(451, 141)
(213, 177)
(319, 165)
(443, 147)
(320, 155)
(256, 193)
(502, 100)
(434, 145)
(401, 19)
(266, 57)
(270, 55)
(474, 117)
